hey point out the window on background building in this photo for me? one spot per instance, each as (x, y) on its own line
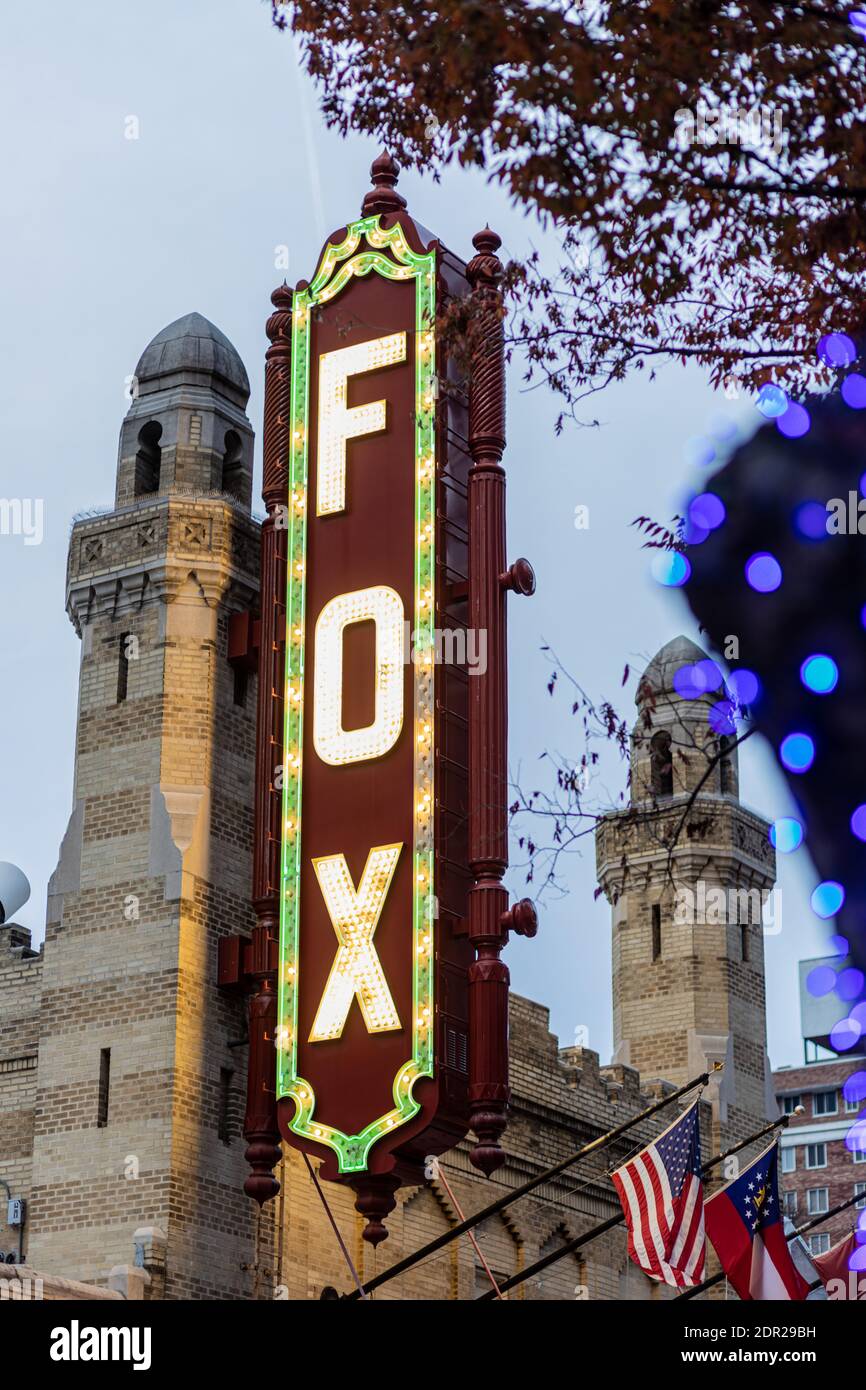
(825, 1103)
(852, 1106)
(861, 1188)
(789, 1160)
(817, 1200)
(859, 1155)
(657, 930)
(789, 1204)
(662, 764)
(816, 1155)
(789, 1104)
(819, 1243)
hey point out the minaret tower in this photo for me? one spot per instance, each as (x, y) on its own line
(687, 869)
(141, 1059)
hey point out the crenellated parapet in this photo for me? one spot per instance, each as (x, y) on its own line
(144, 554)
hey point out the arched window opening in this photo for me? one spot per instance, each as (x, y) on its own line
(148, 460)
(726, 770)
(662, 765)
(233, 465)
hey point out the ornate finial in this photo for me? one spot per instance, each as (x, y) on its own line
(485, 267)
(383, 196)
(279, 324)
(262, 1154)
(487, 241)
(282, 297)
(374, 1198)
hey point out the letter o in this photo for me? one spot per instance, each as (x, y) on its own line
(333, 743)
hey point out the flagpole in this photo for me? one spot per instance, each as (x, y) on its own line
(801, 1230)
(782, 1123)
(495, 1207)
(608, 1225)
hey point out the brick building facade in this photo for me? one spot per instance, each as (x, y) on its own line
(122, 1066)
(818, 1169)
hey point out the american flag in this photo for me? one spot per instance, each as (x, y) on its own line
(663, 1199)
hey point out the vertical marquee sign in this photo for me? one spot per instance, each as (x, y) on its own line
(383, 1007)
(362, 944)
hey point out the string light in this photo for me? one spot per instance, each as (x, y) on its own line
(794, 422)
(786, 834)
(797, 752)
(819, 674)
(670, 568)
(763, 572)
(827, 898)
(772, 401)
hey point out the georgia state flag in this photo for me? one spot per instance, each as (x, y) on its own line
(746, 1228)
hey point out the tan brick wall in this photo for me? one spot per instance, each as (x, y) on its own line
(694, 993)
(157, 870)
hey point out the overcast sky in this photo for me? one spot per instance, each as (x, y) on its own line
(106, 239)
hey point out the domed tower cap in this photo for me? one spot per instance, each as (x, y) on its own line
(192, 350)
(659, 674)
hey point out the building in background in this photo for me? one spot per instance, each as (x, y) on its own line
(688, 871)
(818, 1168)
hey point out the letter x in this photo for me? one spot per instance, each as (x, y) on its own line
(357, 971)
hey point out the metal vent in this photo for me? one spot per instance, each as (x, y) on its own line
(456, 1049)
